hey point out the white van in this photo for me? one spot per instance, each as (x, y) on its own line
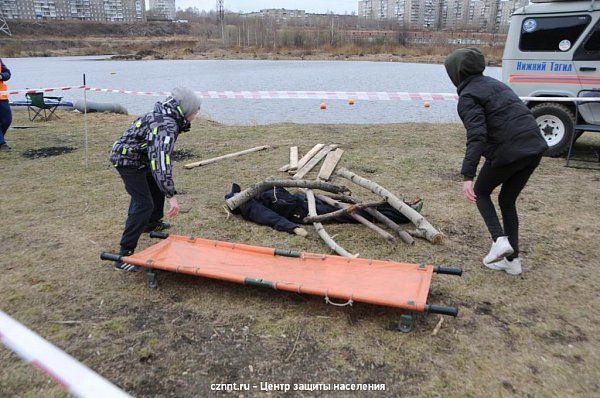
(553, 50)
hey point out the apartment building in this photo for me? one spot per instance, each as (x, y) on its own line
(162, 9)
(488, 15)
(84, 10)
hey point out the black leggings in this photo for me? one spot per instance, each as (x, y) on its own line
(513, 178)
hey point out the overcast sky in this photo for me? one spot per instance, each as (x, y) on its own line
(318, 6)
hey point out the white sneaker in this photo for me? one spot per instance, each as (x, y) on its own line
(500, 249)
(513, 267)
(498, 265)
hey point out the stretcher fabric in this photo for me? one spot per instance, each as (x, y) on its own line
(376, 282)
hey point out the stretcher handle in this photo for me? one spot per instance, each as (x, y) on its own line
(441, 309)
(110, 256)
(448, 271)
(158, 235)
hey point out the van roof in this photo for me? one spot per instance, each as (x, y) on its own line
(558, 7)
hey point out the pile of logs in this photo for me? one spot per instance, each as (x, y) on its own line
(341, 198)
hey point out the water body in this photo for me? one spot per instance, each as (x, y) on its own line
(202, 75)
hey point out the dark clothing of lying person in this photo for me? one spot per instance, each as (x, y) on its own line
(284, 211)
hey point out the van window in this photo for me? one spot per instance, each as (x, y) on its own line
(552, 34)
(590, 49)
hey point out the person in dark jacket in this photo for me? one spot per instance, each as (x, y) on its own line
(285, 211)
(142, 156)
(503, 130)
(5, 113)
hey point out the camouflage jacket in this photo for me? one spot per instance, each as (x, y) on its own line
(149, 142)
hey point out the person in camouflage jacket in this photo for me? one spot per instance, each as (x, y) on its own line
(142, 156)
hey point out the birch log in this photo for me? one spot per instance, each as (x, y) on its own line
(312, 211)
(247, 194)
(422, 225)
(344, 210)
(230, 155)
(358, 218)
(382, 218)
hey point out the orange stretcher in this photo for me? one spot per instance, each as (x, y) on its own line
(376, 282)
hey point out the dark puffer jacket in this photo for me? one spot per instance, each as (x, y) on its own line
(499, 125)
(149, 142)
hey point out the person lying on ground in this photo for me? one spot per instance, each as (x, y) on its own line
(142, 156)
(285, 211)
(502, 129)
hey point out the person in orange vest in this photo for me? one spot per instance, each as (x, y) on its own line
(5, 113)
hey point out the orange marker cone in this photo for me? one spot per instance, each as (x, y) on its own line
(323, 106)
(426, 104)
(350, 101)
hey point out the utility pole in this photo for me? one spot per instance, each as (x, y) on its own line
(4, 25)
(221, 18)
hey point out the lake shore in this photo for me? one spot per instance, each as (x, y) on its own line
(182, 47)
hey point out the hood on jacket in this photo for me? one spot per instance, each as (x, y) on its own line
(171, 107)
(188, 100)
(464, 63)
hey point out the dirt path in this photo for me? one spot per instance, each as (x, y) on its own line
(534, 335)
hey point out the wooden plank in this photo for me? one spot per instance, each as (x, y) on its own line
(294, 158)
(329, 164)
(313, 162)
(230, 155)
(303, 160)
(309, 155)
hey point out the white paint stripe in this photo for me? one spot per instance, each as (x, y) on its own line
(316, 95)
(71, 374)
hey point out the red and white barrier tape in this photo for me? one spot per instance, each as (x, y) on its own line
(71, 374)
(316, 95)
(41, 90)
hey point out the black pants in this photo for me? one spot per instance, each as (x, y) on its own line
(5, 119)
(146, 206)
(513, 178)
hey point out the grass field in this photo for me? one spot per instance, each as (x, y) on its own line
(534, 336)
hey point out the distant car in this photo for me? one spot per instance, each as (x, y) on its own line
(553, 50)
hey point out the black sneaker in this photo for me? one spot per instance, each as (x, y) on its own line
(157, 226)
(5, 148)
(121, 266)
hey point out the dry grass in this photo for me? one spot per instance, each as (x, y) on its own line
(534, 335)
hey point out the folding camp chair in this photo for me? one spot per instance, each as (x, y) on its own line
(39, 106)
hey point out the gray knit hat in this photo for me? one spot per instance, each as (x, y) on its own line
(188, 100)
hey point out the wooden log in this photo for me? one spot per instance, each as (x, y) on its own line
(358, 218)
(312, 211)
(329, 164)
(304, 170)
(341, 212)
(247, 194)
(230, 155)
(294, 158)
(422, 225)
(382, 218)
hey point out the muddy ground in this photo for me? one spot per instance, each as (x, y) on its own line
(534, 336)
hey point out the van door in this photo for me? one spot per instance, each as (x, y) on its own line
(587, 63)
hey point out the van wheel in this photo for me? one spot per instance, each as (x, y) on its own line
(556, 123)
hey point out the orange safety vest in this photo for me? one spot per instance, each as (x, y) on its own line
(3, 87)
